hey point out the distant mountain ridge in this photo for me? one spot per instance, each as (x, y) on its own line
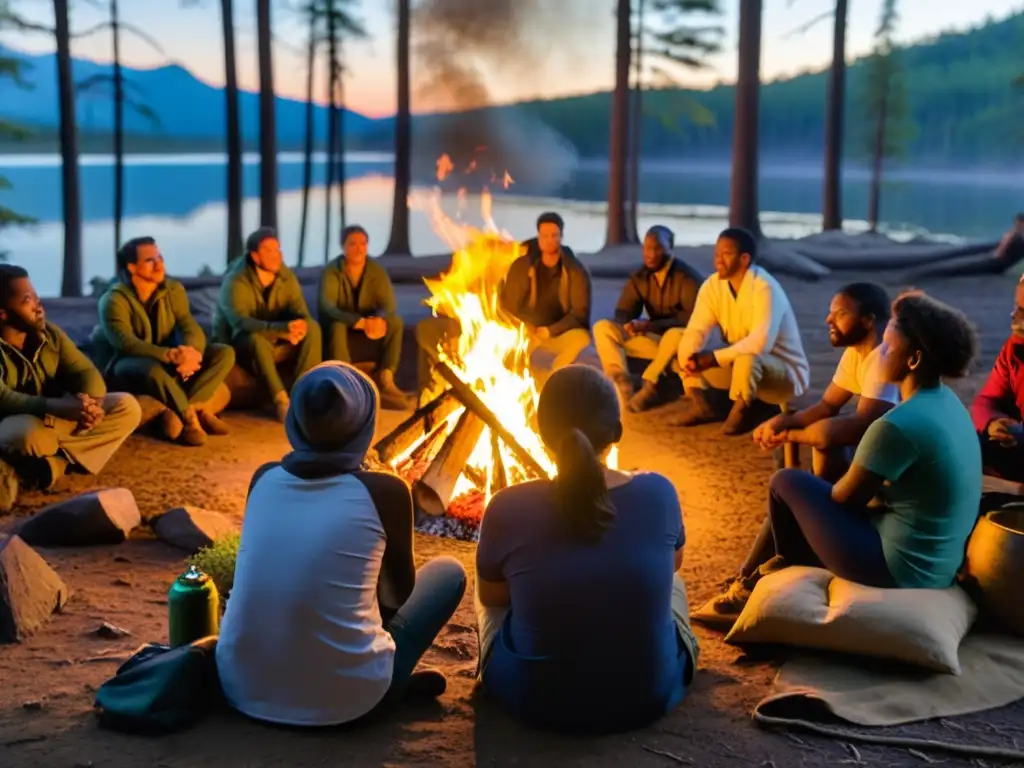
(187, 108)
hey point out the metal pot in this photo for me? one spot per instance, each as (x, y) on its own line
(994, 570)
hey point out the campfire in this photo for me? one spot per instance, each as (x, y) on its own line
(479, 435)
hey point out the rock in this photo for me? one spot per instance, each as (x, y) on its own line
(108, 631)
(101, 517)
(8, 487)
(32, 706)
(30, 590)
(192, 528)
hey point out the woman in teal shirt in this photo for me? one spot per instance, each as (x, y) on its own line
(921, 460)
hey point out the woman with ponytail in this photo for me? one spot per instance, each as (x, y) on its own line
(582, 617)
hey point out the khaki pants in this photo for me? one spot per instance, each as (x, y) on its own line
(614, 349)
(749, 378)
(31, 436)
(556, 352)
(489, 621)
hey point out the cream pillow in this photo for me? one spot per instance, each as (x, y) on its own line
(811, 608)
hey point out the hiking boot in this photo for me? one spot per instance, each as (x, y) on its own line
(213, 424)
(38, 473)
(426, 683)
(623, 385)
(281, 403)
(721, 612)
(744, 417)
(645, 398)
(700, 410)
(170, 425)
(193, 433)
(9, 487)
(391, 397)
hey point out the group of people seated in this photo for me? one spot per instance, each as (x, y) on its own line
(582, 616)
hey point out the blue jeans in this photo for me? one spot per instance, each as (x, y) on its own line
(809, 528)
(440, 585)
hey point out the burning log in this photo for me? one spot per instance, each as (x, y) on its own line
(473, 403)
(423, 420)
(499, 479)
(433, 491)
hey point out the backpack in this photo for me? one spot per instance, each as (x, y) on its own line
(161, 689)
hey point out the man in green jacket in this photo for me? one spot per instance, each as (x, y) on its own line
(149, 343)
(55, 412)
(262, 314)
(358, 315)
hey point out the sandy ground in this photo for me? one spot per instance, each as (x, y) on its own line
(48, 681)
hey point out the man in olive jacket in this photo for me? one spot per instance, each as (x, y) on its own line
(149, 343)
(666, 289)
(55, 411)
(262, 313)
(548, 290)
(357, 312)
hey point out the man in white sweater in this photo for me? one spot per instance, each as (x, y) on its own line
(762, 364)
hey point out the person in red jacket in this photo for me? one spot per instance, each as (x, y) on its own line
(997, 410)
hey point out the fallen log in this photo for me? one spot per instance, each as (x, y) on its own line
(422, 421)
(472, 401)
(987, 264)
(897, 256)
(433, 491)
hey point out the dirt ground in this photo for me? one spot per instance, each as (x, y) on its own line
(47, 683)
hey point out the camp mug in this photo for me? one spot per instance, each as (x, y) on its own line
(193, 607)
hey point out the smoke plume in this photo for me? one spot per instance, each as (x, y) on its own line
(458, 43)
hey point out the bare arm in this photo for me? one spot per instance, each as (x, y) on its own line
(857, 487)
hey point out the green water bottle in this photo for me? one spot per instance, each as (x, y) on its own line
(193, 607)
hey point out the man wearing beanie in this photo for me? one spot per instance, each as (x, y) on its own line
(262, 314)
(665, 288)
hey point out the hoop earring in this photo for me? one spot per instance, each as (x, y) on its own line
(915, 363)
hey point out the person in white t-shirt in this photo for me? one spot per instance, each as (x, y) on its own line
(856, 320)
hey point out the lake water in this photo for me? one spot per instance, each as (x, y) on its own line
(178, 199)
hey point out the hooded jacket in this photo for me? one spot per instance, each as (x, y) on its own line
(338, 302)
(128, 329)
(245, 307)
(56, 368)
(519, 293)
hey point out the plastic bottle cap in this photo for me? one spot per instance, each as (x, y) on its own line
(193, 576)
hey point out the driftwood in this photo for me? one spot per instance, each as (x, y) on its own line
(422, 421)
(433, 491)
(472, 401)
(986, 264)
(889, 258)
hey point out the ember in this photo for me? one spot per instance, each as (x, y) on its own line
(480, 434)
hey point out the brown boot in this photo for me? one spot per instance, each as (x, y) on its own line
(744, 417)
(624, 385)
(645, 398)
(192, 433)
(170, 425)
(702, 409)
(391, 397)
(281, 403)
(212, 423)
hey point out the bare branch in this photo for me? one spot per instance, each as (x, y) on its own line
(806, 27)
(143, 110)
(91, 30)
(145, 37)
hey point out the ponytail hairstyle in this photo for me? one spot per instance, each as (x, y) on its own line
(579, 419)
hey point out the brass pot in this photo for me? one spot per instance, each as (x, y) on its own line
(994, 569)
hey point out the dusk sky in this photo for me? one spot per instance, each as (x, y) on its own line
(583, 62)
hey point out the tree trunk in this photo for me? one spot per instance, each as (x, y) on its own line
(340, 125)
(832, 195)
(307, 155)
(619, 138)
(71, 282)
(115, 28)
(743, 203)
(636, 130)
(875, 191)
(332, 123)
(233, 131)
(398, 243)
(268, 122)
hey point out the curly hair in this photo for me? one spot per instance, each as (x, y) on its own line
(943, 334)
